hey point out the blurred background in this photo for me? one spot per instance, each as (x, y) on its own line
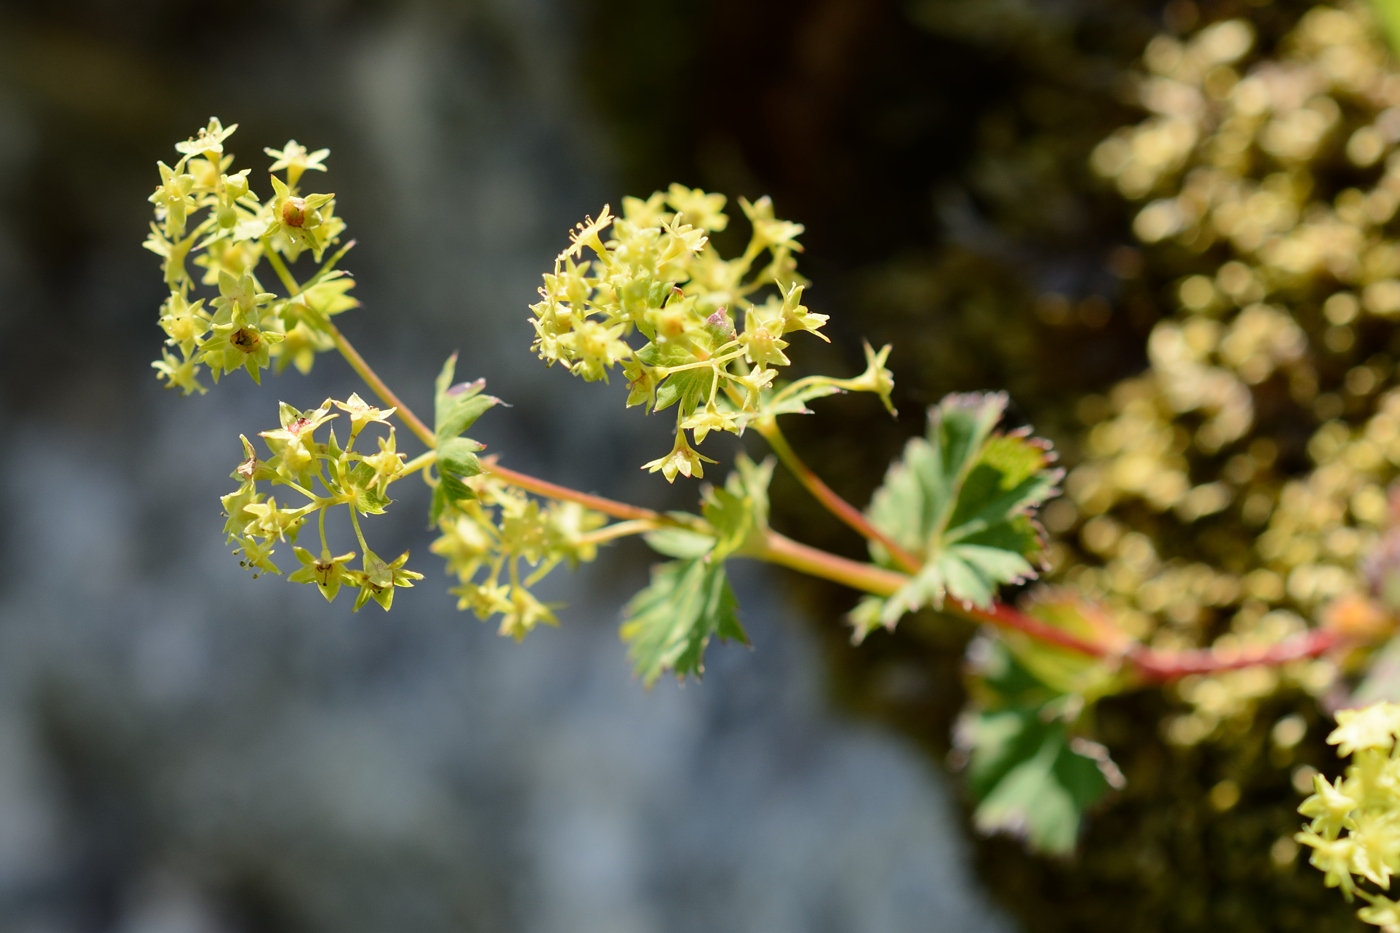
(185, 750)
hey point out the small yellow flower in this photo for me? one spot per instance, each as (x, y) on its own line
(295, 159)
(682, 459)
(1372, 727)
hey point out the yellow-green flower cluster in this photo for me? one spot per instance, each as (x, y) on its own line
(1354, 831)
(712, 331)
(207, 215)
(300, 463)
(1236, 165)
(486, 539)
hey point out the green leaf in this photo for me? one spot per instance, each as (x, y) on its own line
(680, 542)
(456, 407)
(1041, 797)
(438, 505)
(457, 458)
(962, 500)
(866, 617)
(689, 387)
(669, 623)
(739, 511)
(368, 499)
(753, 479)
(1030, 776)
(456, 461)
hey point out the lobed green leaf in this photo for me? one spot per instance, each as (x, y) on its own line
(1029, 774)
(669, 623)
(962, 500)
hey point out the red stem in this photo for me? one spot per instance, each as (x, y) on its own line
(1003, 616)
(1162, 666)
(830, 499)
(597, 503)
(1153, 665)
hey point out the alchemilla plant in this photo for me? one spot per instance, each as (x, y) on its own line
(644, 297)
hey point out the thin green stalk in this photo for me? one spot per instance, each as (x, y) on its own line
(618, 530)
(417, 463)
(359, 535)
(278, 266)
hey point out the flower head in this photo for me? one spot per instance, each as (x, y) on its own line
(296, 160)
(210, 141)
(682, 459)
(1372, 727)
(379, 578)
(326, 571)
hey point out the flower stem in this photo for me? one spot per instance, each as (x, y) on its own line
(359, 535)
(352, 356)
(371, 378)
(280, 267)
(417, 463)
(824, 494)
(618, 530)
(1162, 666)
(550, 490)
(868, 578)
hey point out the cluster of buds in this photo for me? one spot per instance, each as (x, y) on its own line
(486, 538)
(301, 464)
(205, 214)
(659, 276)
(1355, 829)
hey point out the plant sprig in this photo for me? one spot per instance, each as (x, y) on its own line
(953, 523)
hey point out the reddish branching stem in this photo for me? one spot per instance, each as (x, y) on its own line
(1162, 666)
(853, 517)
(1000, 615)
(1151, 664)
(611, 507)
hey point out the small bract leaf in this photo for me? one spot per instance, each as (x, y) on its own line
(739, 511)
(457, 407)
(680, 542)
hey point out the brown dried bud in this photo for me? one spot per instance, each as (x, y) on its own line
(294, 212)
(245, 339)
